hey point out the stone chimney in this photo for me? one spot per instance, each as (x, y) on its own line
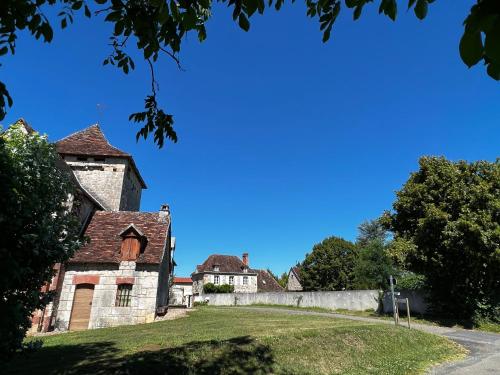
(164, 212)
(245, 259)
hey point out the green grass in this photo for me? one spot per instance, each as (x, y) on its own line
(421, 319)
(231, 341)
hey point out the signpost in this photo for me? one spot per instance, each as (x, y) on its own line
(394, 306)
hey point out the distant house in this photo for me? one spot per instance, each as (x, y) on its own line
(225, 269)
(294, 281)
(231, 270)
(267, 283)
(181, 291)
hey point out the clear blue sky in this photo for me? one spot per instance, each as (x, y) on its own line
(283, 140)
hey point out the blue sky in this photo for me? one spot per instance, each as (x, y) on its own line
(283, 140)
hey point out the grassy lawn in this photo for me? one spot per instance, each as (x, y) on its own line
(230, 341)
(486, 326)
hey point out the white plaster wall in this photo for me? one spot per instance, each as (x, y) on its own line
(349, 299)
(104, 313)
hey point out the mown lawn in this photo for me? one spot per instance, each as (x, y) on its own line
(230, 341)
(421, 319)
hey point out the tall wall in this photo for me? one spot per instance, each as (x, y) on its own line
(104, 312)
(110, 180)
(359, 300)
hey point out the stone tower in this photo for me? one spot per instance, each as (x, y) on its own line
(107, 173)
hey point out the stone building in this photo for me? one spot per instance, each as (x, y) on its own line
(181, 292)
(294, 283)
(121, 275)
(231, 270)
(225, 269)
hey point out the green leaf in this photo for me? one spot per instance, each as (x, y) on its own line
(243, 22)
(87, 12)
(64, 23)
(492, 43)
(410, 3)
(421, 9)
(471, 48)
(3, 50)
(494, 71)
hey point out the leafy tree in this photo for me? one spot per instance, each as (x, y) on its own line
(369, 231)
(373, 266)
(157, 27)
(329, 266)
(450, 211)
(35, 227)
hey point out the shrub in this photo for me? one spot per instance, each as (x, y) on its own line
(212, 288)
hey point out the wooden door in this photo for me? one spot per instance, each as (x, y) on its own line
(82, 305)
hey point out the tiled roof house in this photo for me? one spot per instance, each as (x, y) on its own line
(120, 275)
(229, 269)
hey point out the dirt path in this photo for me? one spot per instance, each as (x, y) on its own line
(484, 347)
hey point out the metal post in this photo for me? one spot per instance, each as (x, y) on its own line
(408, 312)
(393, 300)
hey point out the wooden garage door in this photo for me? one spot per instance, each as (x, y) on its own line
(82, 304)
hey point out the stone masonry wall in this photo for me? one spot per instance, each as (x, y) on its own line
(104, 313)
(350, 299)
(293, 283)
(106, 180)
(131, 192)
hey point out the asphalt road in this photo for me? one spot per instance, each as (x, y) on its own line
(484, 347)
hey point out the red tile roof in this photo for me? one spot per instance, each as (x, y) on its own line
(89, 141)
(182, 280)
(226, 263)
(267, 283)
(92, 142)
(105, 241)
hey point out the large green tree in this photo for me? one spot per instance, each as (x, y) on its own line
(157, 27)
(373, 266)
(36, 229)
(329, 266)
(450, 212)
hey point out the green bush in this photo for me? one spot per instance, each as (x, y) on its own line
(212, 288)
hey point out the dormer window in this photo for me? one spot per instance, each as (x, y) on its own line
(133, 242)
(216, 267)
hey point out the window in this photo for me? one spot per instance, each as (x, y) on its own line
(216, 280)
(81, 158)
(99, 158)
(245, 280)
(131, 247)
(216, 267)
(231, 280)
(123, 295)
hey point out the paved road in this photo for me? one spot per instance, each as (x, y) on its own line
(483, 359)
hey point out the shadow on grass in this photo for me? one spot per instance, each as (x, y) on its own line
(240, 355)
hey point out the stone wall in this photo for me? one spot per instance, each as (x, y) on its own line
(104, 313)
(358, 300)
(293, 283)
(110, 181)
(416, 301)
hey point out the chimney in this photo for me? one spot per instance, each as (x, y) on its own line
(245, 259)
(164, 212)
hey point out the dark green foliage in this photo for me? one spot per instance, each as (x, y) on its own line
(373, 266)
(157, 27)
(410, 281)
(36, 229)
(450, 211)
(329, 266)
(212, 288)
(369, 231)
